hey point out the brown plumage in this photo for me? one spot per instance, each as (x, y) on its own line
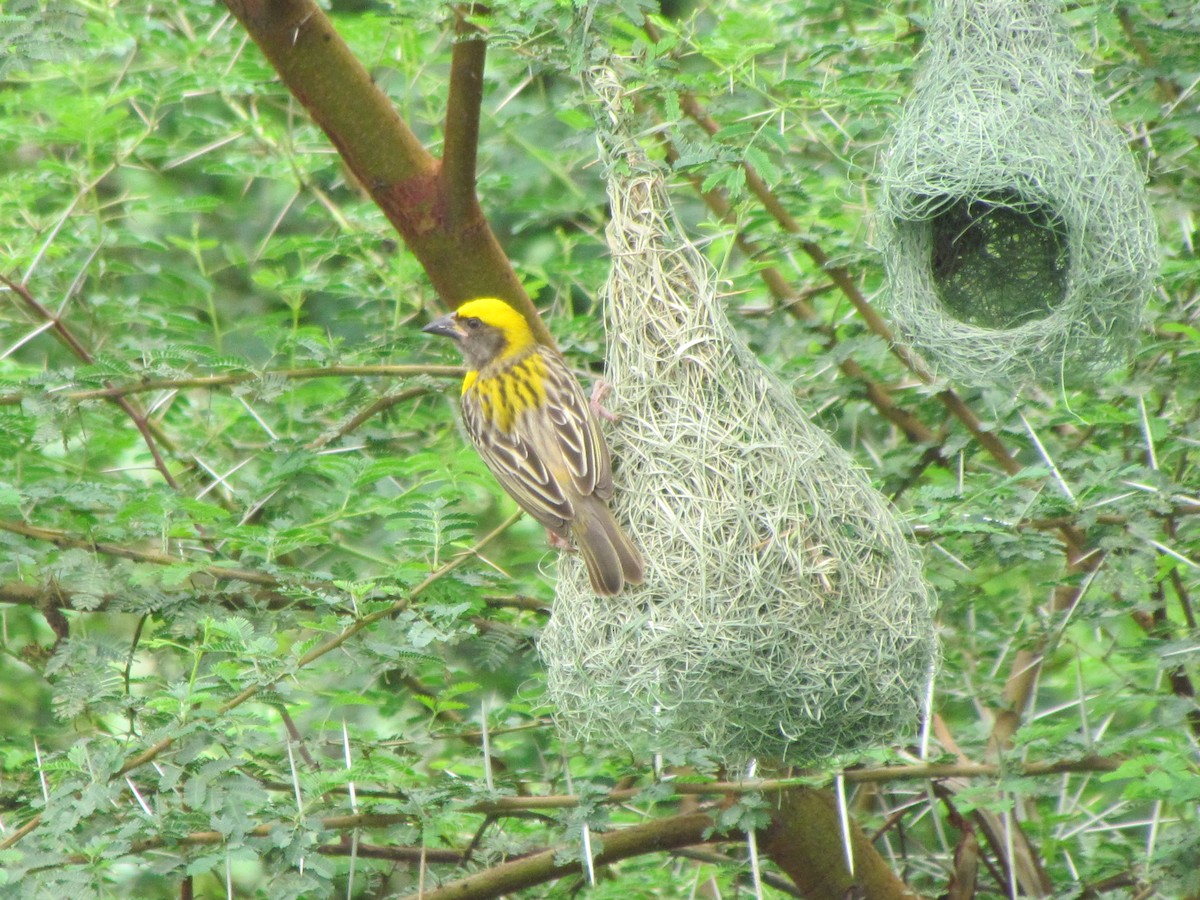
(527, 416)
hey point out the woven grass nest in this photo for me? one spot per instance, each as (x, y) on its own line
(784, 616)
(1014, 224)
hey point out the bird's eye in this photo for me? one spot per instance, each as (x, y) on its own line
(472, 322)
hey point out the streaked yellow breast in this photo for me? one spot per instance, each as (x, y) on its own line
(508, 392)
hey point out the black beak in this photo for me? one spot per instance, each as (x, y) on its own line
(446, 326)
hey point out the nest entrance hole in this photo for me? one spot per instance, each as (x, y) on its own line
(999, 262)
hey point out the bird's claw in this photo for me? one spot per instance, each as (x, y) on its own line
(558, 542)
(600, 390)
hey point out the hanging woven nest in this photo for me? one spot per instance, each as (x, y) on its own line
(784, 616)
(1014, 223)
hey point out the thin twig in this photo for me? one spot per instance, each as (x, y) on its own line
(366, 414)
(150, 435)
(146, 385)
(62, 539)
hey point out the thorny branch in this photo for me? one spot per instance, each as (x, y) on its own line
(149, 432)
(1082, 563)
(154, 751)
(1080, 560)
(148, 385)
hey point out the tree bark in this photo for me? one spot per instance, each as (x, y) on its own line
(434, 208)
(544, 867)
(805, 840)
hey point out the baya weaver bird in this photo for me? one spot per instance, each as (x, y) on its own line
(527, 416)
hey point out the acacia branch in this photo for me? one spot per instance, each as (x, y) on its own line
(147, 385)
(1080, 560)
(410, 855)
(805, 840)
(540, 868)
(154, 751)
(879, 775)
(39, 594)
(364, 415)
(463, 102)
(150, 434)
(502, 806)
(64, 540)
(845, 282)
(512, 805)
(441, 222)
(537, 868)
(797, 304)
(329, 823)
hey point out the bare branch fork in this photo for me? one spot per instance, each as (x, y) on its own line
(431, 202)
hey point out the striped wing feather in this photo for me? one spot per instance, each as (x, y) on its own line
(518, 468)
(579, 440)
(525, 459)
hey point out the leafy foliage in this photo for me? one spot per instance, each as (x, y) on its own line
(262, 608)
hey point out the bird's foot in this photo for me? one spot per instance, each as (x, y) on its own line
(600, 390)
(558, 542)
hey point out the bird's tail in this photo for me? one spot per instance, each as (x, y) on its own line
(611, 559)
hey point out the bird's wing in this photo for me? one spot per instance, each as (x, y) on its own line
(515, 462)
(583, 449)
